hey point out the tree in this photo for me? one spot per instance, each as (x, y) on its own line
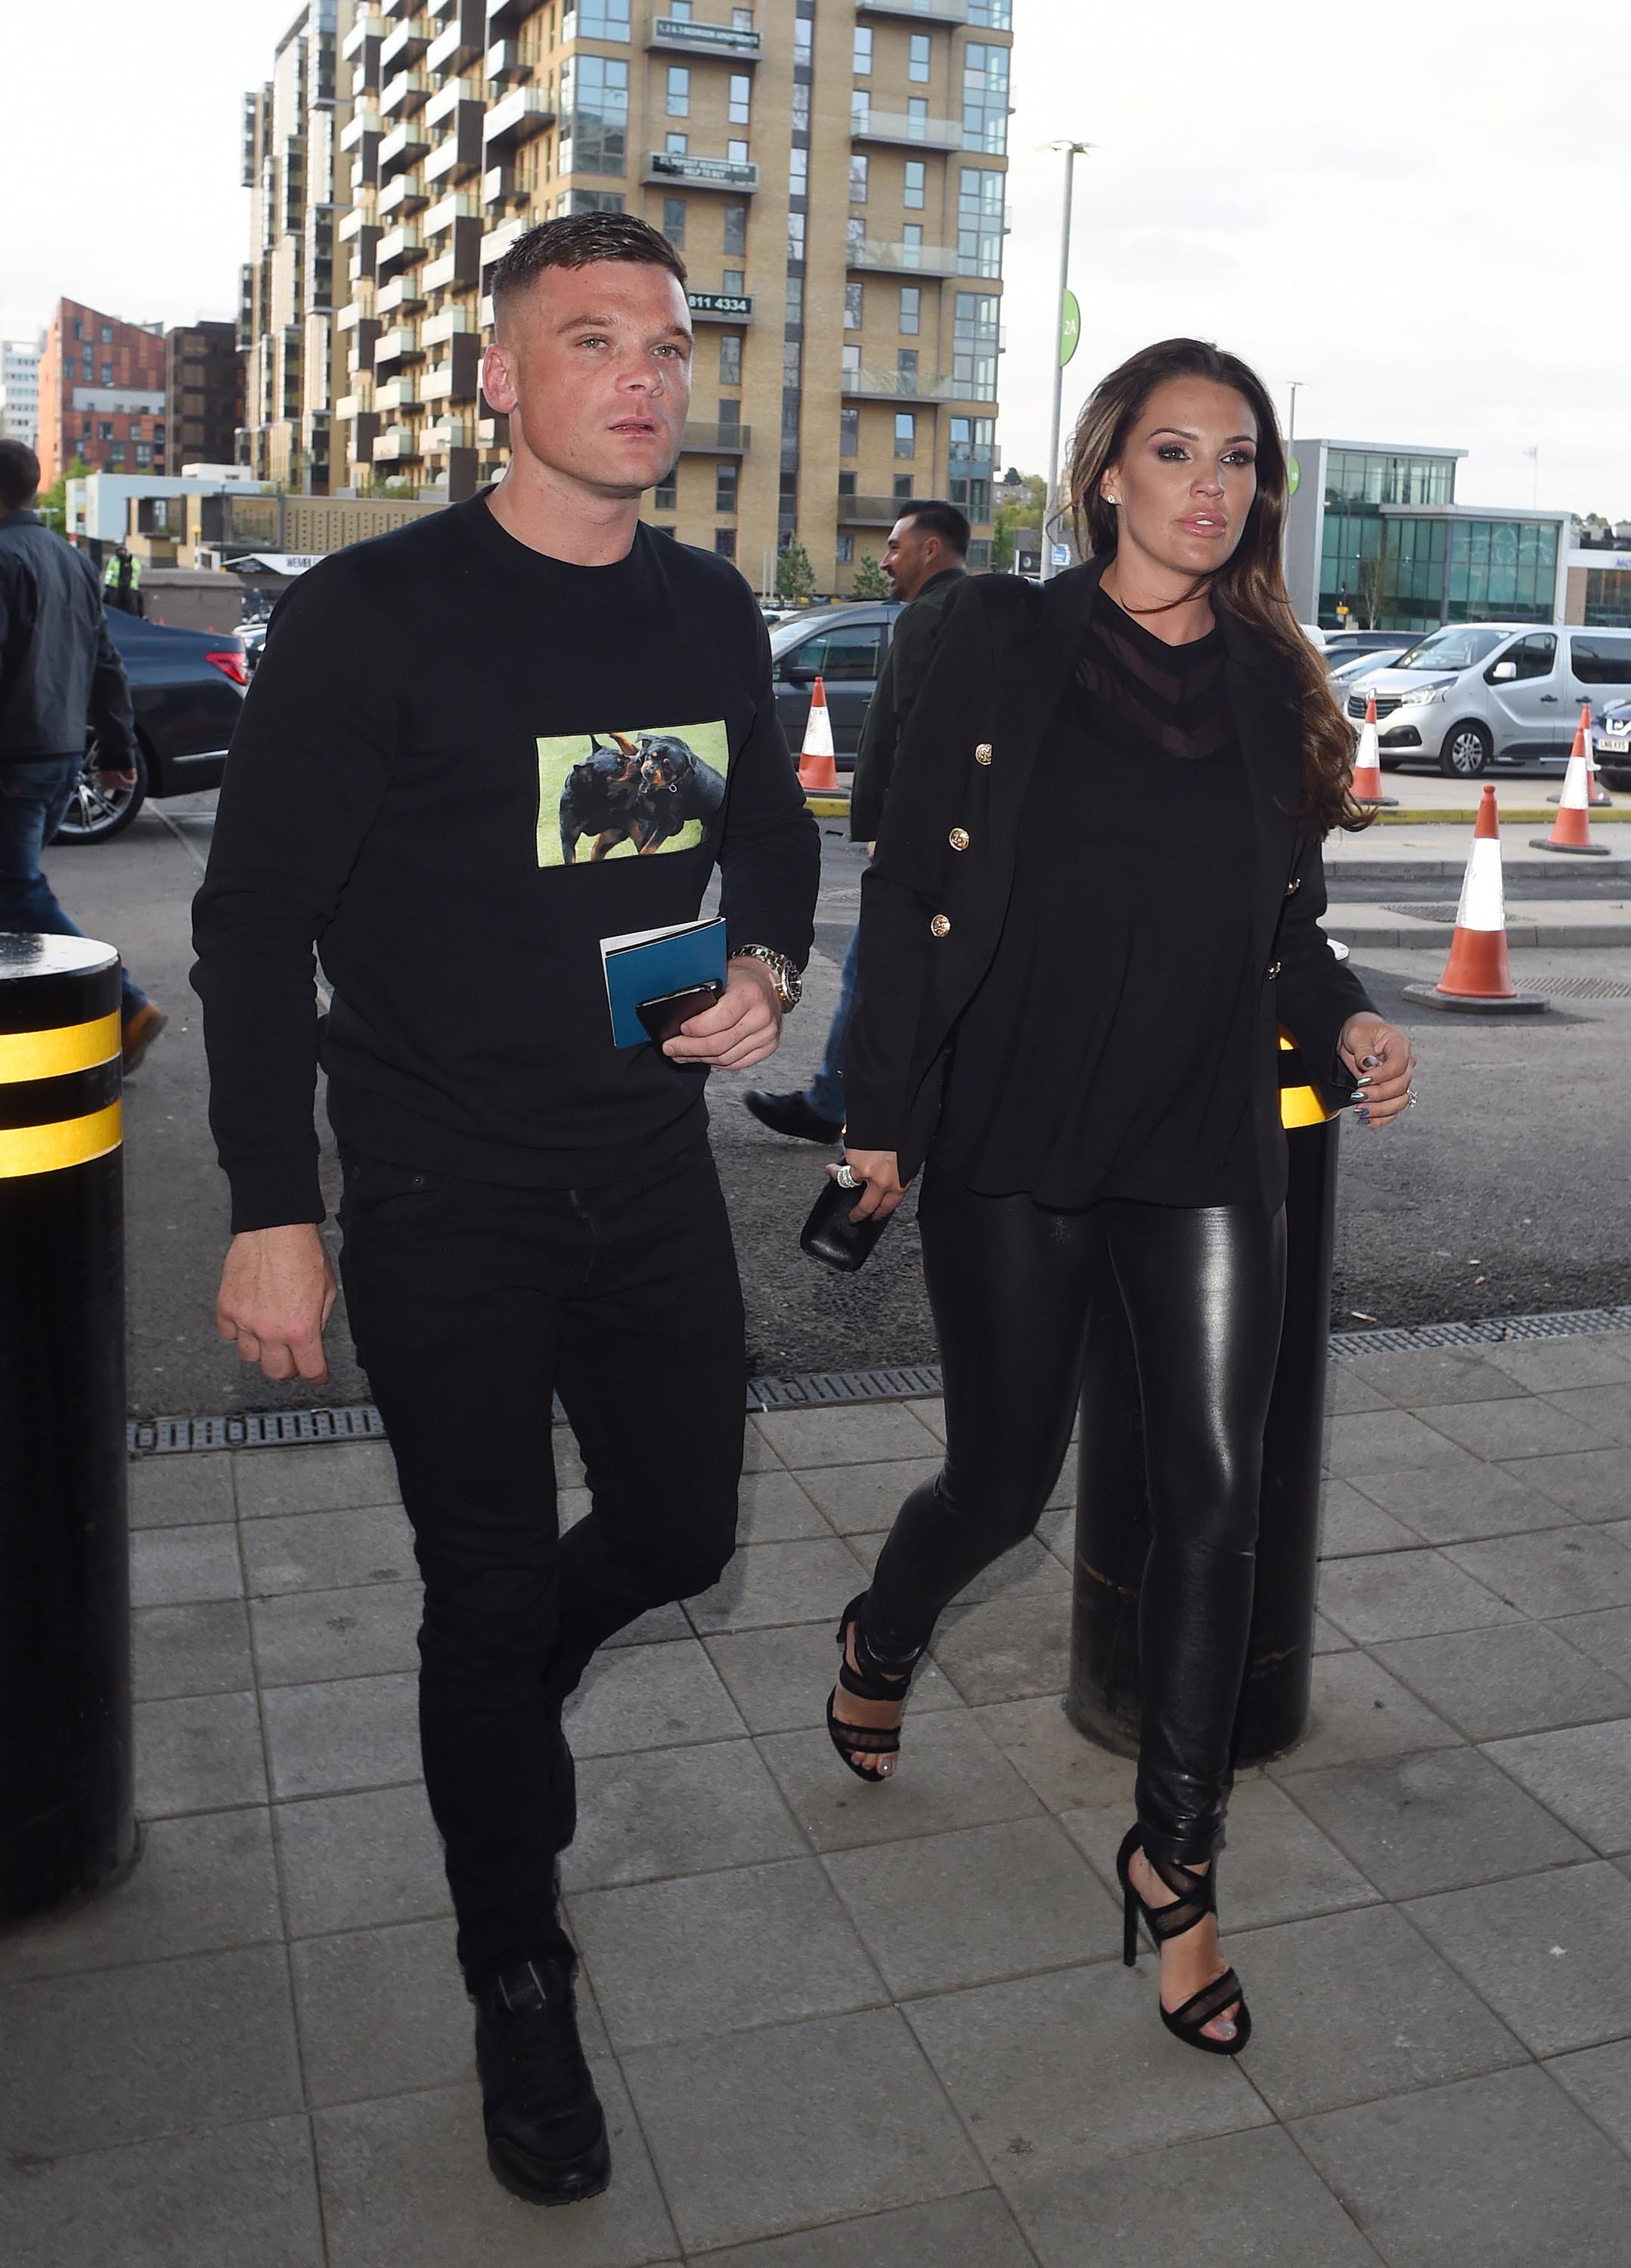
(1372, 584)
(871, 582)
(1024, 510)
(52, 504)
(795, 578)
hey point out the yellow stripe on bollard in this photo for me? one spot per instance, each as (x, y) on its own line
(52, 1055)
(70, 1142)
(1300, 1105)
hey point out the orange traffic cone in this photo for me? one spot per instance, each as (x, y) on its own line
(1597, 796)
(1477, 974)
(818, 774)
(1368, 764)
(1573, 829)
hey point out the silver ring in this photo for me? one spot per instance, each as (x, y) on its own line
(846, 1179)
(1410, 1098)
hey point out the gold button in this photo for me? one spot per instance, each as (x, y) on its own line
(982, 754)
(939, 926)
(1293, 888)
(959, 838)
(1273, 970)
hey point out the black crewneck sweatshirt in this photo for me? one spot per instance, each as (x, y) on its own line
(421, 779)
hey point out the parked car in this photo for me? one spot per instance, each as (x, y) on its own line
(1347, 645)
(1476, 694)
(1361, 668)
(1612, 726)
(187, 688)
(845, 647)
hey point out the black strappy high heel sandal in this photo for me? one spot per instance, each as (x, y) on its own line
(1195, 1896)
(871, 1681)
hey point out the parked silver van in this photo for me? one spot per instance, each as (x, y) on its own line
(1477, 694)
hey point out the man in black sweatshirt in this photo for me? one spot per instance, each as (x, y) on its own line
(455, 774)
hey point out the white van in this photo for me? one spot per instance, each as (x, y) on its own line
(1477, 694)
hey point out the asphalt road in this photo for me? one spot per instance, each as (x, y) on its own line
(1503, 1193)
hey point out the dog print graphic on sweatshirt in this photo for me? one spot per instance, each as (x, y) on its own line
(629, 794)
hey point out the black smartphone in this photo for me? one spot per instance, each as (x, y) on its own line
(663, 1016)
(830, 1234)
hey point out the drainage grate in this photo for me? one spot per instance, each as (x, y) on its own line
(1445, 912)
(1587, 988)
(820, 1389)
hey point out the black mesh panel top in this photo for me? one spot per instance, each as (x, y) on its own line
(1109, 1052)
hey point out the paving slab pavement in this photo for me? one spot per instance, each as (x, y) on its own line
(844, 2027)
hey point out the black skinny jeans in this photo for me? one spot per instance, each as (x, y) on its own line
(1011, 1284)
(471, 1305)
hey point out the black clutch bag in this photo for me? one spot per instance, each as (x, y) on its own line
(830, 1234)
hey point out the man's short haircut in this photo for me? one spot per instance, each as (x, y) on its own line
(933, 518)
(577, 240)
(19, 475)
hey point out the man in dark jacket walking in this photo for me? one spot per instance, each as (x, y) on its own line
(924, 561)
(58, 673)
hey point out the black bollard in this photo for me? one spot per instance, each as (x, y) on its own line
(1112, 1496)
(67, 1821)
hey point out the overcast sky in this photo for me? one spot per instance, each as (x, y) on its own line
(1418, 207)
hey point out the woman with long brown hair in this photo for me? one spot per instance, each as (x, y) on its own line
(1093, 904)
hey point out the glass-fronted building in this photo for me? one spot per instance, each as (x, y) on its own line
(1376, 539)
(1600, 586)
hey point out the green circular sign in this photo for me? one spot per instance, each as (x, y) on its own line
(1294, 476)
(1070, 328)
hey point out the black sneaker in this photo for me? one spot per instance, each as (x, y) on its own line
(546, 2131)
(790, 1114)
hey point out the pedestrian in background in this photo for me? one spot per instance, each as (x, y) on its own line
(121, 581)
(924, 560)
(59, 677)
(1094, 900)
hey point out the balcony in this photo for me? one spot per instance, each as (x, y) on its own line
(460, 266)
(398, 345)
(720, 306)
(400, 395)
(921, 12)
(904, 128)
(460, 206)
(447, 433)
(405, 95)
(395, 8)
(665, 166)
(403, 247)
(900, 386)
(886, 256)
(703, 439)
(504, 66)
(403, 147)
(459, 154)
(361, 122)
(501, 189)
(497, 241)
(509, 15)
(367, 25)
(680, 36)
(493, 433)
(871, 511)
(350, 406)
(399, 447)
(452, 322)
(516, 118)
(352, 223)
(457, 379)
(404, 44)
(405, 295)
(463, 39)
(402, 196)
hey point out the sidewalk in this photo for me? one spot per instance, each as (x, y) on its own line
(842, 2028)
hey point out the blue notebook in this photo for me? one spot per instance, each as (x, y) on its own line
(647, 963)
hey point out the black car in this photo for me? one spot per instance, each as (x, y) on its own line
(187, 688)
(842, 646)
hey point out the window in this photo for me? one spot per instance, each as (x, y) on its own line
(730, 416)
(906, 370)
(857, 181)
(918, 59)
(863, 54)
(979, 221)
(665, 495)
(1601, 660)
(792, 362)
(849, 433)
(849, 367)
(913, 185)
(733, 282)
(108, 334)
(903, 487)
(1533, 657)
(735, 228)
(741, 19)
(594, 113)
(974, 346)
(740, 99)
(144, 455)
(979, 554)
(603, 19)
(844, 550)
(860, 111)
(990, 15)
(596, 201)
(795, 315)
(730, 358)
(846, 484)
(803, 41)
(795, 236)
(674, 221)
(679, 91)
(986, 99)
(108, 373)
(801, 105)
(725, 542)
(905, 433)
(855, 304)
(797, 172)
(676, 144)
(849, 656)
(910, 310)
(79, 328)
(912, 243)
(105, 429)
(725, 488)
(737, 152)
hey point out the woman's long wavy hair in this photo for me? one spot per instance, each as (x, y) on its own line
(1251, 584)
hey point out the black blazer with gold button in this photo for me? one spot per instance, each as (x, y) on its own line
(935, 898)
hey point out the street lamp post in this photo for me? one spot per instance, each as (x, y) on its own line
(1072, 150)
(1296, 385)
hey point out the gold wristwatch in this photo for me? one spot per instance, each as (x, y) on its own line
(787, 979)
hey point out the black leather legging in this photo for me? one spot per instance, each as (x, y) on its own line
(1011, 1284)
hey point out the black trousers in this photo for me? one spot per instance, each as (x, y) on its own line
(471, 1305)
(1011, 1284)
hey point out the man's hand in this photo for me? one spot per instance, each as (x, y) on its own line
(739, 1029)
(880, 1170)
(277, 1292)
(112, 780)
(1382, 1061)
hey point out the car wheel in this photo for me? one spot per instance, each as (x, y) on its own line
(96, 814)
(1388, 763)
(1621, 780)
(1467, 751)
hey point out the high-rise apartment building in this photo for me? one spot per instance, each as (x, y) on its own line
(19, 388)
(293, 283)
(203, 393)
(101, 393)
(834, 172)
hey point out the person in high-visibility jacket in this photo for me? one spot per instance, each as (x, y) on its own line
(121, 582)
